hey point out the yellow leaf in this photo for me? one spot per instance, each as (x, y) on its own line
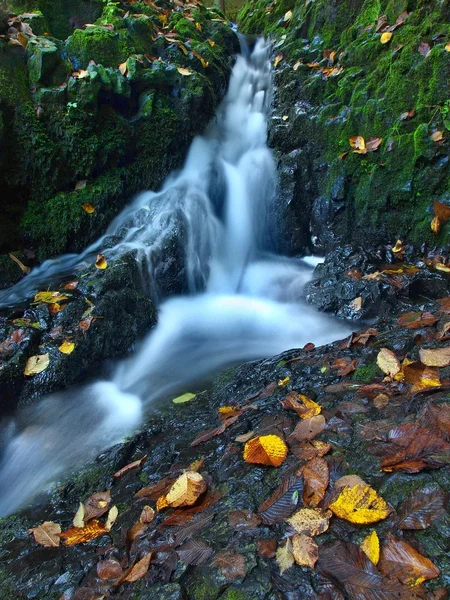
(358, 144)
(277, 60)
(447, 47)
(76, 535)
(437, 136)
(78, 520)
(212, 43)
(266, 450)
(88, 208)
(199, 27)
(440, 357)
(112, 516)
(284, 557)
(356, 304)
(184, 72)
(229, 411)
(288, 16)
(305, 550)
(371, 547)
(385, 37)
(184, 398)
(388, 362)
(204, 62)
(297, 64)
(310, 521)
(283, 382)
(360, 504)
(441, 267)
(186, 490)
(123, 67)
(67, 347)
(313, 408)
(50, 297)
(101, 263)
(37, 364)
(436, 225)
(161, 503)
(398, 247)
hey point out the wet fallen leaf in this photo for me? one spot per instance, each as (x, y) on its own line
(80, 535)
(195, 552)
(285, 557)
(283, 382)
(371, 547)
(101, 263)
(88, 208)
(421, 377)
(182, 515)
(282, 502)
(229, 411)
(50, 297)
(304, 550)
(307, 409)
(48, 534)
(422, 509)
(441, 210)
(243, 519)
(398, 247)
(358, 144)
(316, 476)
(417, 320)
(186, 490)
(347, 565)
(113, 513)
(409, 114)
(85, 324)
(411, 448)
(373, 144)
(310, 521)
(437, 136)
(310, 449)
(388, 362)
(437, 418)
(441, 267)
(439, 357)
(184, 398)
(435, 225)
(381, 401)
(400, 560)
(307, 429)
(360, 504)
(447, 47)
(66, 347)
(345, 366)
(131, 466)
(123, 67)
(210, 433)
(244, 437)
(135, 572)
(109, 569)
(78, 520)
(288, 16)
(155, 490)
(266, 450)
(385, 37)
(277, 60)
(267, 548)
(97, 505)
(232, 565)
(424, 49)
(356, 304)
(36, 364)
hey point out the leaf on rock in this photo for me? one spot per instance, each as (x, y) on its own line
(307, 429)
(232, 565)
(371, 547)
(277, 60)
(183, 515)
(310, 521)
(109, 569)
(437, 418)
(304, 550)
(185, 72)
(66, 347)
(417, 320)
(285, 557)
(97, 505)
(88, 208)
(282, 502)
(266, 450)
(48, 534)
(78, 520)
(348, 481)
(424, 49)
(195, 552)
(139, 528)
(385, 37)
(155, 490)
(136, 571)
(184, 398)
(412, 448)
(77, 535)
(360, 504)
(101, 263)
(440, 357)
(310, 449)
(267, 548)
(130, 467)
(36, 364)
(283, 382)
(345, 366)
(306, 410)
(186, 490)
(388, 362)
(210, 433)
(422, 509)
(243, 519)
(316, 475)
(358, 144)
(347, 565)
(421, 377)
(441, 210)
(401, 561)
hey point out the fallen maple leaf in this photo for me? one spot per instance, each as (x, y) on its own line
(266, 450)
(360, 504)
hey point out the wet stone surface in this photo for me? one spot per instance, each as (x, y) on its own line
(224, 548)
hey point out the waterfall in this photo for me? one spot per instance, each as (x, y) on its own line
(243, 303)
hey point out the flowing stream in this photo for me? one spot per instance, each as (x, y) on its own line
(244, 302)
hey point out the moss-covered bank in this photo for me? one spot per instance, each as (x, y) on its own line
(94, 109)
(337, 79)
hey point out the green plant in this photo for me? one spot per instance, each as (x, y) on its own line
(110, 10)
(445, 113)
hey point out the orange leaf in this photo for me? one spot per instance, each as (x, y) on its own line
(186, 489)
(78, 535)
(441, 210)
(266, 450)
(402, 561)
(316, 476)
(101, 263)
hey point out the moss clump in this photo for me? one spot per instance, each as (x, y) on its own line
(366, 374)
(98, 44)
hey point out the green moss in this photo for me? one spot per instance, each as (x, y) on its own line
(366, 374)
(104, 47)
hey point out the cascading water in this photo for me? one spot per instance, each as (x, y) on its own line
(244, 302)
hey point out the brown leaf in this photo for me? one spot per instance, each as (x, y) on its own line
(424, 49)
(97, 505)
(401, 561)
(345, 366)
(412, 448)
(417, 320)
(307, 429)
(210, 433)
(109, 569)
(232, 565)
(316, 476)
(442, 211)
(267, 548)
(155, 490)
(409, 114)
(134, 465)
(310, 449)
(437, 418)
(282, 502)
(440, 357)
(422, 509)
(243, 519)
(421, 377)
(373, 144)
(136, 571)
(47, 534)
(348, 481)
(195, 552)
(304, 550)
(355, 574)
(183, 515)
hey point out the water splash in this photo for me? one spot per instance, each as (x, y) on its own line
(244, 303)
